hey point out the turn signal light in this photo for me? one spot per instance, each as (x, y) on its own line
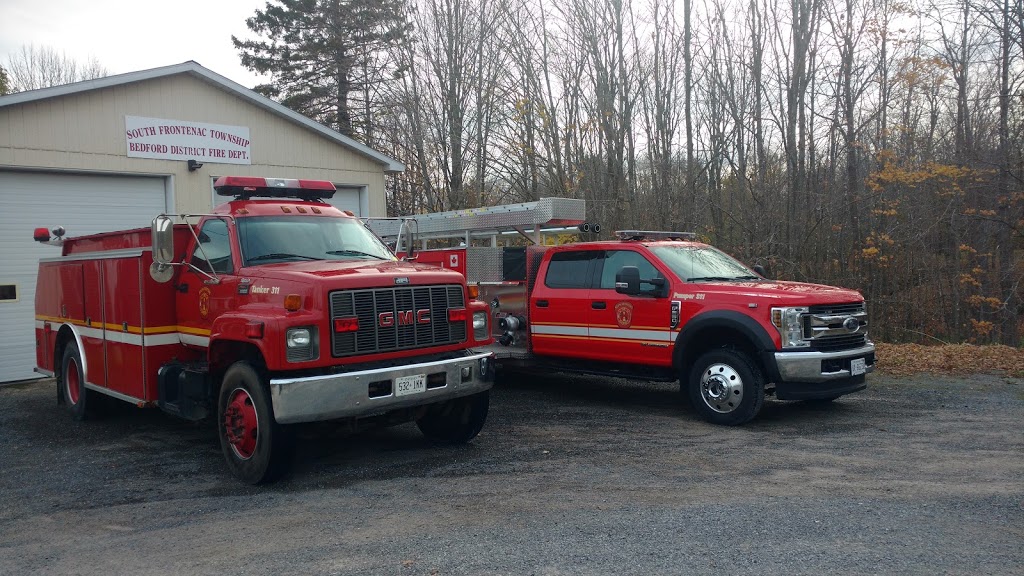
(292, 302)
(346, 324)
(456, 314)
(474, 291)
(254, 329)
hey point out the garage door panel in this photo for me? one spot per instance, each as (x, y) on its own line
(83, 204)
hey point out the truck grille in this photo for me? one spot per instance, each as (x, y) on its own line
(826, 329)
(390, 318)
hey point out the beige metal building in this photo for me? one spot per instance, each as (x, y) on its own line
(111, 153)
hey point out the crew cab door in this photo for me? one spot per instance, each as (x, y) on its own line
(626, 328)
(200, 300)
(559, 304)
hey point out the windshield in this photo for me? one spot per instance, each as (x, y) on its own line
(702, 263)
(269, 239)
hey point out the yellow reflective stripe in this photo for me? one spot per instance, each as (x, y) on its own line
(131, 329)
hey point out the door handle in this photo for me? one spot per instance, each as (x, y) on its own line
(598, 305)
(542, 303)
(183, 288)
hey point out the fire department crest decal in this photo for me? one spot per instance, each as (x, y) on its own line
(204, 301)
(624, 314)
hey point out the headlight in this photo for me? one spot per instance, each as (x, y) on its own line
(302, 344)
(789, 322)
(480, 326)
(298, 338)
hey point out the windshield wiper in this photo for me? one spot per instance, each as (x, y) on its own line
(282, 256)
(354, 253)
(711, 279)
(747, 278)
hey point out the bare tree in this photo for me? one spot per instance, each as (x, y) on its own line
(35, 67)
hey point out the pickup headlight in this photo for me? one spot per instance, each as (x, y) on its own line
(301, 344)
(480, 331)
(789, 322)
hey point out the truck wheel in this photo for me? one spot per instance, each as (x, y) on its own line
(726, 387)
(72, 384)
(256, 447)
(457, 421)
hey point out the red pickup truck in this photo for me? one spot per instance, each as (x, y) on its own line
(656, 306)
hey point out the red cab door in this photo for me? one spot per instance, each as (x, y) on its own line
(559, 306)
(200, 298)
(624, 328)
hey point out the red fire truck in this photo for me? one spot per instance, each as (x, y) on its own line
(274, 310)
(654, 306)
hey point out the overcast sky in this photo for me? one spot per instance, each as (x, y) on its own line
(131, 35)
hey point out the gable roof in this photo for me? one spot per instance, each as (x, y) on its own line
(195, 69)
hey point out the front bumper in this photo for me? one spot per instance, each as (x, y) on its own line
(822, 366)
(347, 395)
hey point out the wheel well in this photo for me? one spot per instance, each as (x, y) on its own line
(710, 338)
(224, 353)
(64, 335)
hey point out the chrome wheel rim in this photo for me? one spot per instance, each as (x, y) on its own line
(721, 387)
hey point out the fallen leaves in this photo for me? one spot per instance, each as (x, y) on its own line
(954, 359)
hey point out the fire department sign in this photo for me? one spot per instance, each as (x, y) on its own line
(624, 314)
(180, 140)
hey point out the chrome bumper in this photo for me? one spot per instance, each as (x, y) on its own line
(807, 366)
(347, 395)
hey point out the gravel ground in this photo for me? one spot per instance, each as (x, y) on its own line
(572, 475)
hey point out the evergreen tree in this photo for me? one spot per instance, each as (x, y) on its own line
(5, 85)
(327, 57)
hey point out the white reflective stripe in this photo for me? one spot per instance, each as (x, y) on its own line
(89, 332)
(124, 338)
(134, 339)
(620, 333)
(627, 334)
(559, 330)
(162, 339)
(203, 341)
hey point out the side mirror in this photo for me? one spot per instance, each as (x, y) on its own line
(163, 240)
(627, 281)
(660, 286)
(407, 238)
(760, 270)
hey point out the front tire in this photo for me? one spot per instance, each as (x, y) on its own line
(456, 421)
(726, 387)
(257, 449)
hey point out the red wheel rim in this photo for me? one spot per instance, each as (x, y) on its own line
(73, 381)
(241, 425)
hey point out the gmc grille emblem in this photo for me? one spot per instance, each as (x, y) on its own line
(404, 318)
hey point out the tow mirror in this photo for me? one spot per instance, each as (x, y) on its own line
(163, 240)
(627, 281)
(407, 238)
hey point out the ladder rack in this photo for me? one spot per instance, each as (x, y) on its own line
(546, 214)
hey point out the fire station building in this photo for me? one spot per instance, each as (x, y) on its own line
(112, 153)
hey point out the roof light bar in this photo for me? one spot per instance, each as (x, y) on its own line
(654, 235)
(244, 187)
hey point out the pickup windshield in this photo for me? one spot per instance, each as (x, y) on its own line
(272, 239)
(703, 264)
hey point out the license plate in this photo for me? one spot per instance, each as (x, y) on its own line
(857, 366)
(417, 383)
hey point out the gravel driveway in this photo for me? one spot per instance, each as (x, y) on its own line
(571, 475)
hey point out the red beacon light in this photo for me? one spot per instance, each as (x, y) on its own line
(43, 235)
(245, 187)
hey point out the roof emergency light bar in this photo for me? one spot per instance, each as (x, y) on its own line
(245, 187)
(651, 235)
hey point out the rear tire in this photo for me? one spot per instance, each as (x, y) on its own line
(456, 421)
(72, 384)
(257, 449)
(726, 387)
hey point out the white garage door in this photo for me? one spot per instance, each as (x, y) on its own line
(82, 204)
(347, 199)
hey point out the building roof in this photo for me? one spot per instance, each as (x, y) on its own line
(195, 69)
